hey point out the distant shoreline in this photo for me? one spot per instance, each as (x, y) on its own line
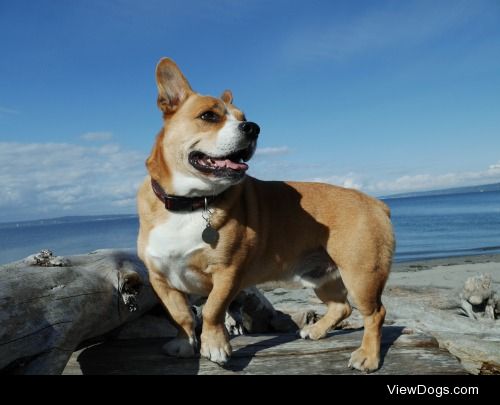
(73, 219)
(484, 188)
(424, 264)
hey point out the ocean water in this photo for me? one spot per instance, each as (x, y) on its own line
(446, 225)
(67, 236)
(425, 227)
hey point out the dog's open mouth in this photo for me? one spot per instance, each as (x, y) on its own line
(232, 165)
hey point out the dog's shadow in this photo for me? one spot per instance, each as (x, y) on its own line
(242, 357)
(389, 336)
(134, 356)
(144, 356)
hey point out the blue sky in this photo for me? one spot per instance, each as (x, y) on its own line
(384, 96)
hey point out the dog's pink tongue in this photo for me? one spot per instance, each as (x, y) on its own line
(230, 164)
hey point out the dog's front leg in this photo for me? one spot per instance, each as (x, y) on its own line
(215, 344)
(177, 305)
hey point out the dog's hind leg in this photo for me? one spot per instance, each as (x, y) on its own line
(366, 287)
(334, 294)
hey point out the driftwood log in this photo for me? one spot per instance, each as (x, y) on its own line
(50, 306)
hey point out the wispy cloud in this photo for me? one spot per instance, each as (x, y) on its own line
(402, 24)
(99, 136)
(349, 180)
(413, 182)
(51, 179)
(10, 111)
(427, 181)
(275, 150)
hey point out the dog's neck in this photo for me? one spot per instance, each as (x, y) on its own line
(181, 203)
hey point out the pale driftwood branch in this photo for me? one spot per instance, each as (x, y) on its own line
(251, 312)
(478, 298)
(49, 305)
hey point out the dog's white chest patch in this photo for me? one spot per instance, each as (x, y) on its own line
(172, 243)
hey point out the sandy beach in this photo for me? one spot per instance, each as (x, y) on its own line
(445, 273)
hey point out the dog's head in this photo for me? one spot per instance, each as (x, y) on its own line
(206, 141)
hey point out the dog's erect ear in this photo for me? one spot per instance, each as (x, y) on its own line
(173, 88)
(227, 97)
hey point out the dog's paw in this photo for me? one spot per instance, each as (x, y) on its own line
(363, 361)
(313, 332)
(215, 347)
(217, 354)
(181, 347)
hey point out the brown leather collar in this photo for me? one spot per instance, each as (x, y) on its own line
(177, 203)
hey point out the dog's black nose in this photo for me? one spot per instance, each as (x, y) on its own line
(249, 129)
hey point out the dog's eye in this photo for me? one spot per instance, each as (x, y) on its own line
(210, 116)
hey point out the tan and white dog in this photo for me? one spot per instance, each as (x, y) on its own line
(206, 228)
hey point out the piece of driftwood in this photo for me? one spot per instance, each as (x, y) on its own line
(476, 344)
(49, 305)
(477, 298)
(250, 312)
(402, 353)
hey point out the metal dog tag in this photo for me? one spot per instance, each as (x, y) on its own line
(210, 235)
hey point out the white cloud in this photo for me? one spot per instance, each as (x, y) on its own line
(41, 180)
(100, 136)
(413, 182)
(401, 25)
(5, 110)
(349, 180)
(423, 182)
(276, 150)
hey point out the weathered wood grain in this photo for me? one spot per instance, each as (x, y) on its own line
(270, 354)
(46, 312)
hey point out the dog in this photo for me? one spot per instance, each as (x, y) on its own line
(209, 229)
